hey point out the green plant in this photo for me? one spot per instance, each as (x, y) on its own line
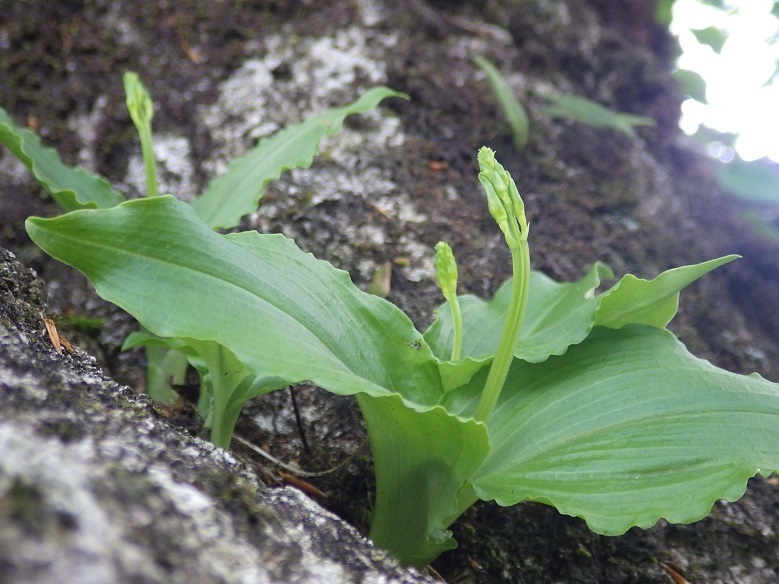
(515, 114)
(752, 182)
(227, 198)
(572, 107)
(141, 109)
(561, 394)
(586, 111)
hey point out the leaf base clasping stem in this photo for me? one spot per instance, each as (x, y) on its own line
(507, 208)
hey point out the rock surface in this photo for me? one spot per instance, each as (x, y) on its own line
(97, 487)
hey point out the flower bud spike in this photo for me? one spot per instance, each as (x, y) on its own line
(518, 207)
(446, 276)
(139, 102)
(445, 269)
(503, 198)
(507, 208)
(494, 204)
(141, 109)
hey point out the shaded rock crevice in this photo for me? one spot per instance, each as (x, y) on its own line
(97, 486)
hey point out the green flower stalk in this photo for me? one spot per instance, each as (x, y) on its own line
(141, 109)
(508, 210)
(446, 276)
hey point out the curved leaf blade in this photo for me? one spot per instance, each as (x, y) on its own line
(259, 296)
(756, 181)
(592, 113)
(653, 302)
(558, 316)
(513, 110)
(424, 458)
(711, 36)
(72, 187)
(627, 428)
(237, 192)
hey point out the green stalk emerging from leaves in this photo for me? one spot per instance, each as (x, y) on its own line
(446, 276)
(507, 208)
(141, 109)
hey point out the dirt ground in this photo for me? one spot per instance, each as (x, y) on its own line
(397, 182)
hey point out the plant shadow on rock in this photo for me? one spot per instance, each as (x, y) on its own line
(602, 197)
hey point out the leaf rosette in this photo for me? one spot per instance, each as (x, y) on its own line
(551, 392)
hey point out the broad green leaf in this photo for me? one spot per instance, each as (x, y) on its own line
(691, 83)
(756, 181)
(593, 114)
(653, 302)
(512, 108)
(664, 12)
(236, 192)
(626, 428)
(72, 187)
(558, 315)
(424, 458)
(258, 296)
(712, 37)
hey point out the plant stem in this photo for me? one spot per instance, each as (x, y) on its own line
(520, 287)
(219, 404)
(149, 163)
(457, 319)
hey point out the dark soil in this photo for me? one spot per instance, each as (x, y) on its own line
(642, 206)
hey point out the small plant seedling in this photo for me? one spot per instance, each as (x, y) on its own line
(586, 111)
(550, 392)
(513, 111)
(573, 107)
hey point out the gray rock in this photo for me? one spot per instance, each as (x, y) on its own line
(96, 486)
